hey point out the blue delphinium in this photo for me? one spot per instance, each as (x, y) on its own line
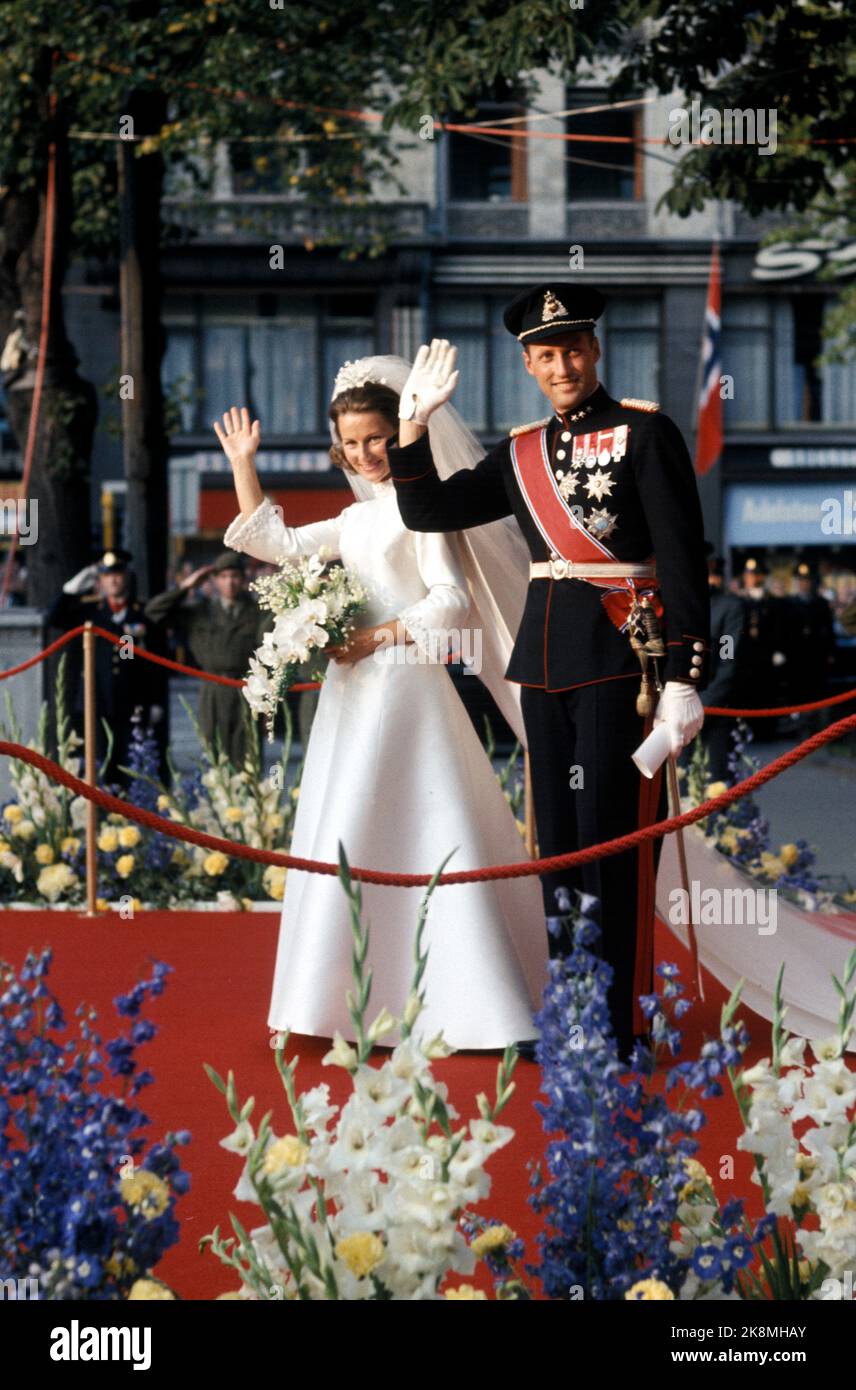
(615, 1159)
(144, 790)
(81, 1209)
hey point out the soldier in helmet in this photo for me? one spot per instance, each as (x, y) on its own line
(221, 634)
(605, 495)
(124, 683)
(764, 653)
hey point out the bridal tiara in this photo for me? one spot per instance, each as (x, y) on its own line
(352, 375)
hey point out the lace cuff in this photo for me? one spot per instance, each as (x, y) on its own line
(243, 531)
(433, 642)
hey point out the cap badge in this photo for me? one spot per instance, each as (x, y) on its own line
(553, 308)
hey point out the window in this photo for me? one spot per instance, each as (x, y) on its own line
(746, 323)
(629, 334)
(495, 392)
(809, 392)
(274, 353)
(770, 346)
(599, 170)
(488, 168)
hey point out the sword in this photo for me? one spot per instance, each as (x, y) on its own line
(685, 883)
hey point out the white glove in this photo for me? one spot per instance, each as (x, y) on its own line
(80, 582)
(431, 382)
(681, 710)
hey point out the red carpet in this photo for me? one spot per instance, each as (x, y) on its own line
(214, 1010)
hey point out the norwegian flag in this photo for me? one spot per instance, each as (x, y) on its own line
(709, 423)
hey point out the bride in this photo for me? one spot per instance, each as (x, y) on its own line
(393, 768)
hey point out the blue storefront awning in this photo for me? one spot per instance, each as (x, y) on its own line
(772, 514)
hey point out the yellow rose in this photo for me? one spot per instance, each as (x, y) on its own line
(148, 1290)
(715, 789)
(115, 819)
(12, 814)
(163, 802)
(288, 1152)
(144, 1191)
(273, 879)
(179, 855)
(102, 905)
(25, 830)
(650, 1289)
(494, 1238)
(125, 865)
(467, 1292)
(233, 814)
(361, 1252)
(129, 836)
(44, 854)
(789, 854)
(215, 863)
(70, 844)
(108, 840)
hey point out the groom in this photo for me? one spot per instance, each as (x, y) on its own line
(605, 495)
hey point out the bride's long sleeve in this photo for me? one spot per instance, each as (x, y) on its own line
(265, 536)
(446, 604)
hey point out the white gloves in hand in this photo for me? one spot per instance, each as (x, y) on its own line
(681, 710)
(431, 382)
(80, 582)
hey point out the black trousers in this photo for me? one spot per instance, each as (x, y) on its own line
(586, 789)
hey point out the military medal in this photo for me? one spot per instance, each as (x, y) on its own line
(601, 523)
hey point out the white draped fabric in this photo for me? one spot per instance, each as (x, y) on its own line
(813, 945)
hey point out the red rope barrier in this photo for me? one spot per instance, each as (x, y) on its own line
(149, 656)
(394, 880)
(316, 685)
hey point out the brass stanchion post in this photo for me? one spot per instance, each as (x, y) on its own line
(89, 767)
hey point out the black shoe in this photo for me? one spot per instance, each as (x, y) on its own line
(526, 1049)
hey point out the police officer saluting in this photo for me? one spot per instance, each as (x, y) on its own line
(605, 494)
(101, 593)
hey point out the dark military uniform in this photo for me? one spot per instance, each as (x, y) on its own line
(579, 674)
(727, 619)
(810, 644)
(221, 643)
(763, 665)
(122, 684)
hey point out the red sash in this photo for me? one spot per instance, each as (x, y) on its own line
(563, 533)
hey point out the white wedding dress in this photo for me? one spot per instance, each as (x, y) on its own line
(395, 770)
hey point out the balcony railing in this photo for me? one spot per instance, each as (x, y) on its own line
(287, 221)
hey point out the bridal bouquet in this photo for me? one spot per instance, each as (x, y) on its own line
(314, 606)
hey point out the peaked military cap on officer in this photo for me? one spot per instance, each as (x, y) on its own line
(116, 559)
(229, 560)
(551, 310)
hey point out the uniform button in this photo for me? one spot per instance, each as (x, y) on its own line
(560, 453)
(553, 555)
(698, 646)
(559, 473)
(695, 673)
(566, 437)
(696, 661)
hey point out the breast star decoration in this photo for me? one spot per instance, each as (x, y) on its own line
(599, 485)
(601, 523)
(568, 484)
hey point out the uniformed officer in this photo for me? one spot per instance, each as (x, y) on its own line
(221, 634)
(727, 621)
(763, 677)
(810, 641)
(605, 494)
(123, 682)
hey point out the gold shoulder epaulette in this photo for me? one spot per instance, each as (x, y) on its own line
(90, 598)
(633, 404)
(524, 429)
